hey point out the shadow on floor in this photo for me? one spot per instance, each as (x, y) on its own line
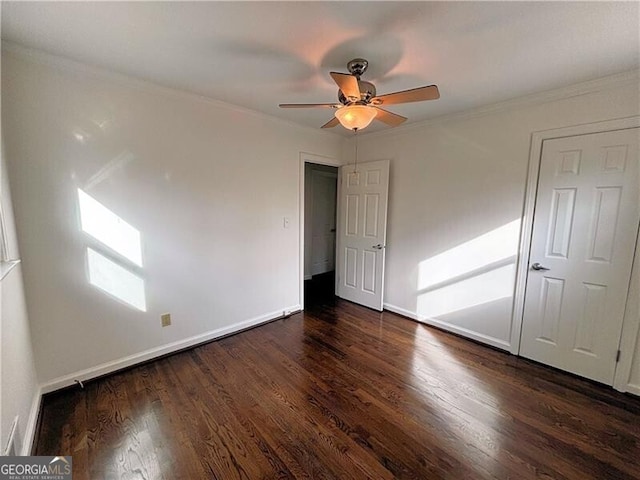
(320, 290)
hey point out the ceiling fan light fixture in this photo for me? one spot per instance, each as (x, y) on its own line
(359, 102)
(355, 116)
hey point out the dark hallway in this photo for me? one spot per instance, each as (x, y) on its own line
(320, 290)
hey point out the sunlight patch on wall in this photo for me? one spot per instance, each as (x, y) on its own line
(115, 280)
(471, 292)
(107, 227)
(492, 247)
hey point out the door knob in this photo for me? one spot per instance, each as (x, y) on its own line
(378, 246)
(537, 266)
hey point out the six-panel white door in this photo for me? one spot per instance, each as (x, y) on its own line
(584, 232)
(362, 232)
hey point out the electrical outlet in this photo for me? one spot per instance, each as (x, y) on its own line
(286, 222)
(166, 319)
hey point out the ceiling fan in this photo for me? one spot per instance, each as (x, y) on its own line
(358, 102)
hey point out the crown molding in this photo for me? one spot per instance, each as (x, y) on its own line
(574, 90)
(84, 69)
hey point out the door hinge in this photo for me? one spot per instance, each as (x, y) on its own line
(618, 356)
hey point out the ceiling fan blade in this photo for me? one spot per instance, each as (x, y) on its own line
(347, 83)
(309, 105)
(389, 118)
(331, 123)
(419, 94)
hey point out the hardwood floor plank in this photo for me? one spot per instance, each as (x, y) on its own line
(173, 437)
(377, 417)
(241, 398)
(373, 397)
(340, 392)
(292, 408)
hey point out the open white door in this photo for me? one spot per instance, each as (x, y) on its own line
(362, 232)
(582, 247)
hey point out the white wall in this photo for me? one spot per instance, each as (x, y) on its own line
(207, 186)
(456, 186)
(19, 394)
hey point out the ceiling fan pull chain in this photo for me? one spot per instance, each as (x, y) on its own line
(355, 166)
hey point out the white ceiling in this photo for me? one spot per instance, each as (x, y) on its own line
(259, 54)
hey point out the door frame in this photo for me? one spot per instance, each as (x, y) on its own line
(306, 157)
(630, 324)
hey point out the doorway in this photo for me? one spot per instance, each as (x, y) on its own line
(583, 236)
(320, 208)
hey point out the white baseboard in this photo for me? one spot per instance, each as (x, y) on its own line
(632, 389)
(479, 337)
(114, 365)
(401, 311)
(32, 423)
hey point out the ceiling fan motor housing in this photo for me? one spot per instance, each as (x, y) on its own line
(367, 92)
(357, 67)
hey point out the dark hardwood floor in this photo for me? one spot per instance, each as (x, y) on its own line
(340, 391)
